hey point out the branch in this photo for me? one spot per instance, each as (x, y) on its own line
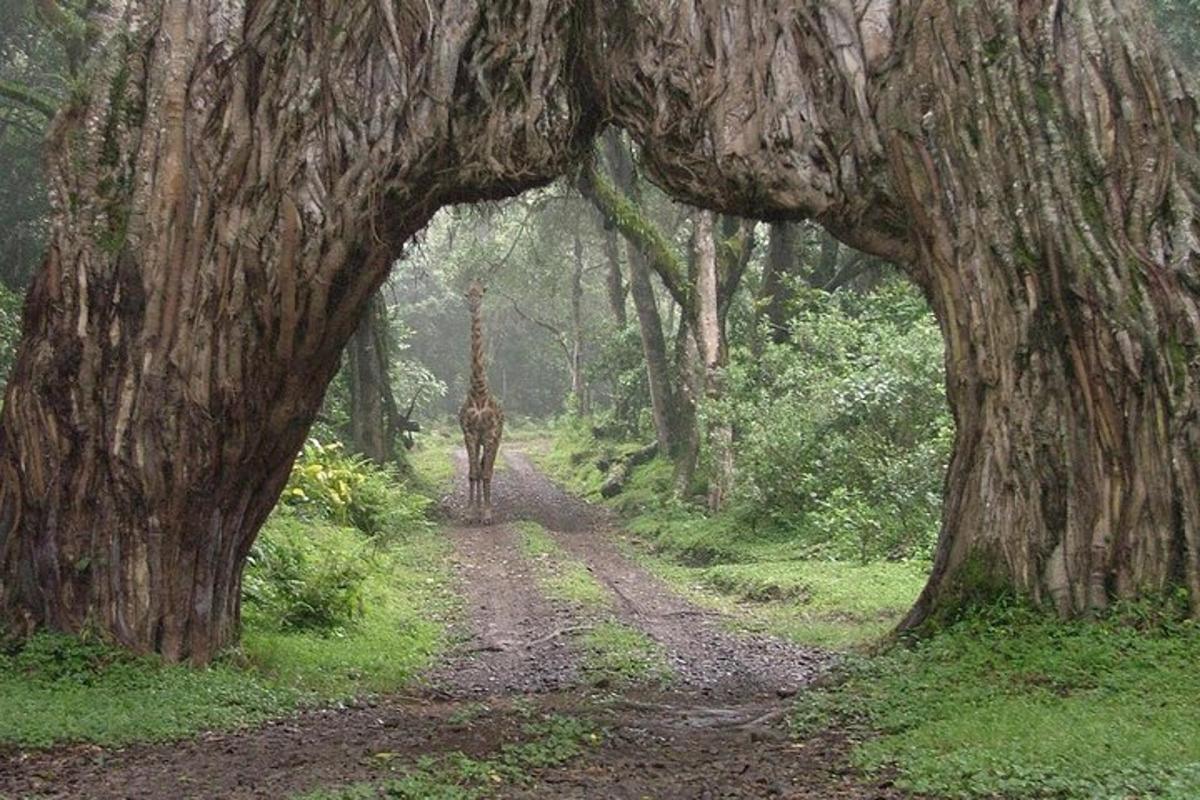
(620, 212)
(559, 337)
(30, 98)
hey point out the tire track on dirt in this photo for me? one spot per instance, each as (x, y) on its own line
(705, 656)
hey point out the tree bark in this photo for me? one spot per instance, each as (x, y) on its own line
(232, 186)
(710, 338)
(614, 283)
(1062, 267)
(775, 293)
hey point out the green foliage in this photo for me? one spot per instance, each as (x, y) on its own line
(407, 601)
(554, 740)
(844, 432)
(10, 329)
(306, 576)
(62, 688)
(328, 484)
(1179, 21)
(1010, 703)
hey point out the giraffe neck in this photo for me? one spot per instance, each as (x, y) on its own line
(479, 386)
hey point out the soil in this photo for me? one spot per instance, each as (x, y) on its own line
(717, 730)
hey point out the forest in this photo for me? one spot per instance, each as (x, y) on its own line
(599, 398)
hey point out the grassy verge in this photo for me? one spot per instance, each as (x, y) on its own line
(432, 461)
(765, 578)
(1005, 703)
(1011, 704)
(614, 654)
(551, 741)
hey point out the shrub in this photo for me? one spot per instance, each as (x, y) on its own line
(303, 576)
(352, 491)
(844, 432)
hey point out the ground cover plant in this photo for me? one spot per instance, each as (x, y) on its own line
(1010, 703)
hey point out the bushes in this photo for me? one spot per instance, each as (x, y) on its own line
(328, 484)
(844, 432)
(306, 576)
(307, 569)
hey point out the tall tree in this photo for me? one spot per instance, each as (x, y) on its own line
(230, 189)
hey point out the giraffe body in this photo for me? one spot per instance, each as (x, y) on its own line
(481, 419)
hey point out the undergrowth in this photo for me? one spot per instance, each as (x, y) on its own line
(1010, 703)
(734, 561)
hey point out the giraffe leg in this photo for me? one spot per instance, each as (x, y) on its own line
(489, 462)
(474, 493)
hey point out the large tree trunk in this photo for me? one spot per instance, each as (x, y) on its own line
(1032, 163)
(1062, 267)
(231, 187)
(227, 195)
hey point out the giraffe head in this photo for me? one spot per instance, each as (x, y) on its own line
(475, 294)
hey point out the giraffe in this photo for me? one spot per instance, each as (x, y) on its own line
(481, 418)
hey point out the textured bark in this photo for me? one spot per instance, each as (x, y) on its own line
(710, 338)
(230, 189)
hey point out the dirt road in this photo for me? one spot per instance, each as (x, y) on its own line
(715, 728)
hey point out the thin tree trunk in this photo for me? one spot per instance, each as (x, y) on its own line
(780, 265)
(650, 326)
(578, 383)
(372, 405)
(614, 283)
(711, 341)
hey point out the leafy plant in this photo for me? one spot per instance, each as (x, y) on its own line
(300, 576)
(352, 491)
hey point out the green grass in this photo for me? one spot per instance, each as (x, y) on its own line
(552, 741)
(60, 688)
(432, 461)
(406, 604)
(615, 654)
(561, 577)
(764, 578)
(1009, 703)
(824, 603)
